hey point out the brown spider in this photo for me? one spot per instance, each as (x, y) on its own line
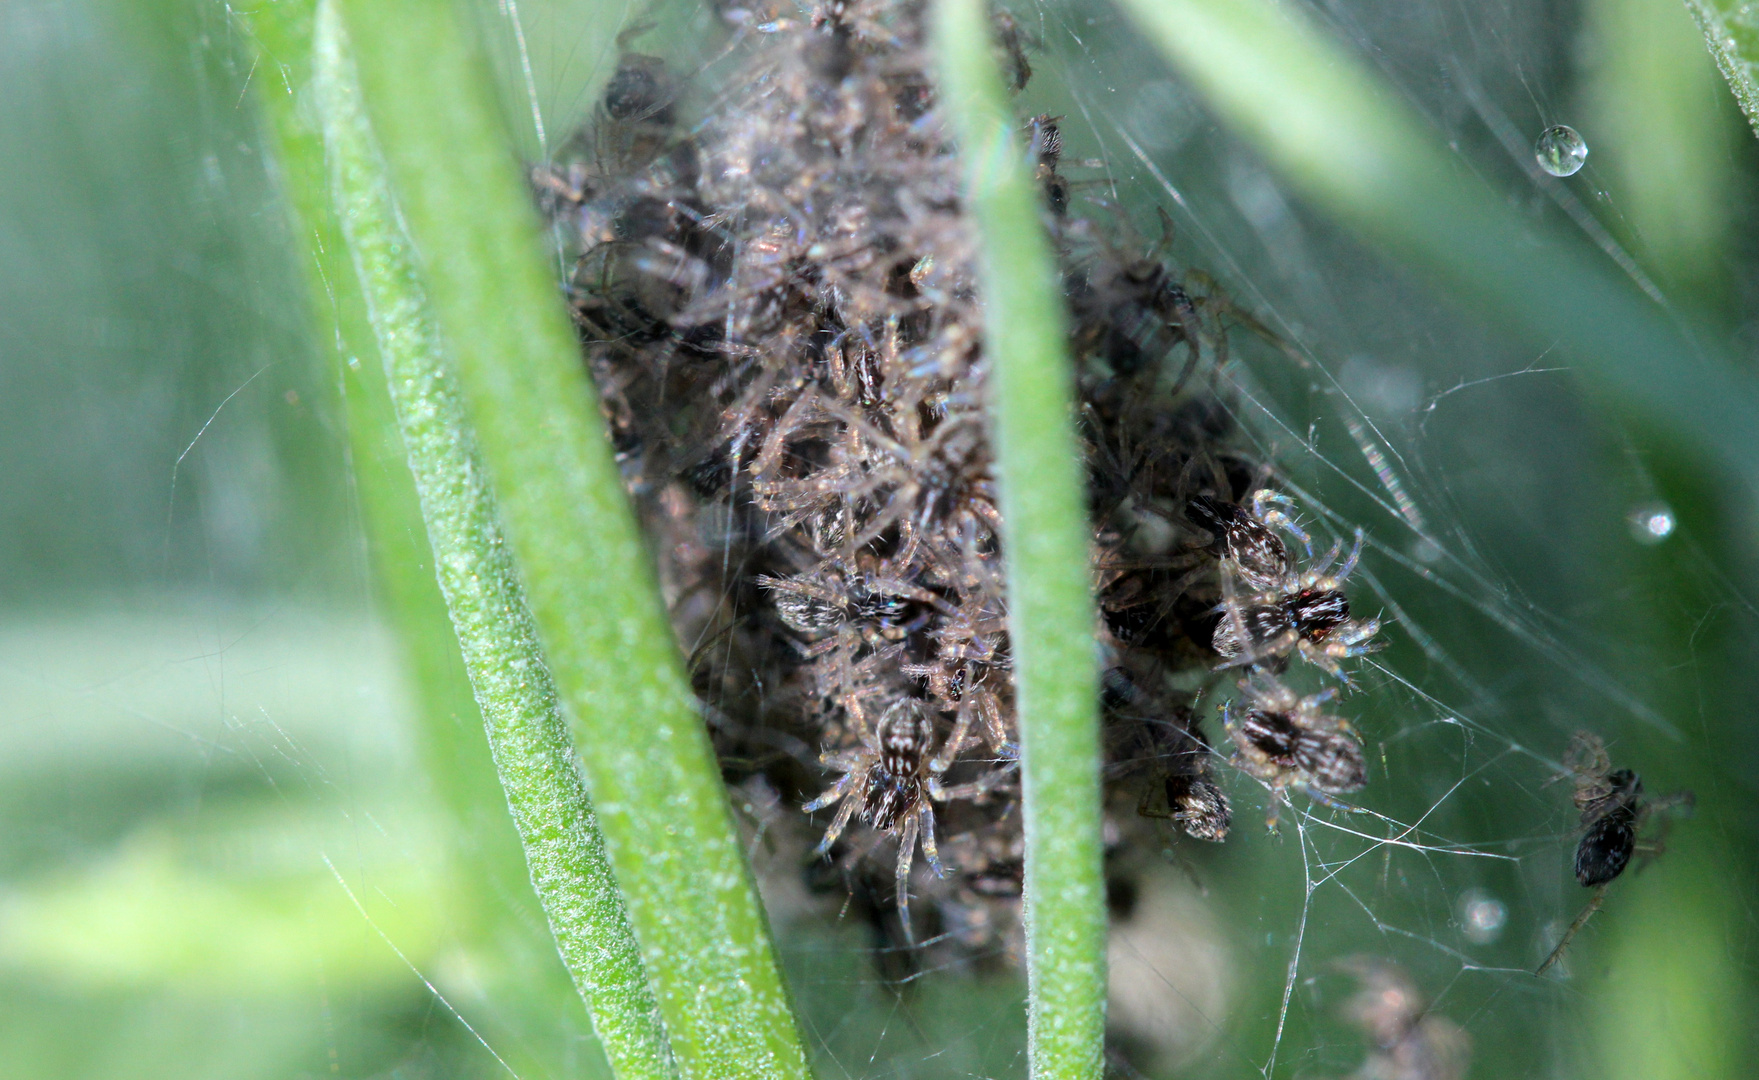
(893, 783)
(1282, 610)
(1245, 536)
(1166, 742)
(1286, 741)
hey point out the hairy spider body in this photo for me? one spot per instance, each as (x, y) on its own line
(1199, 806)
(1269, 609)
(891, 782)
(1611, 824)
(1286, 741)
(1277, 749)
(1244, 536)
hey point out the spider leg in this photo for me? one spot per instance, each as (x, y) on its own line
(1350, 563)
(976, 789)
(929, 851)
(1277, 798)
(1327, 801)
(906, 852)
(1570, 934)
(844, 812)
(1321, 569)
(950, 749)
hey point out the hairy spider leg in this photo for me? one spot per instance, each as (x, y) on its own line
(838, 791)
(1278, 518)
(1569, 935)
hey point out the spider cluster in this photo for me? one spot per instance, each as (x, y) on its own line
(779, 307)
(1273, 608)
(1613, 813)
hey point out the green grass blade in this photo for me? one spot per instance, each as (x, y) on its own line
(537, 1022)
(1355, 150)
(650, 767)
(527, 734)
(1731, 30)
(1046, 541)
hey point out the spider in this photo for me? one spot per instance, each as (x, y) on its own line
(1198, 805)
(1170, 742)
(1613, 815)
(814, 605)
(1244, 536)
(1407, 1039)
(1283, 610)
(1286, 741)
(893, 783)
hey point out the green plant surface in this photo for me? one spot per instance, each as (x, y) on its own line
(648, 762)
(1654, 119)
(536, 1022)
(527, 734)
(1731, 30)
(1346, 142)
(1045, 538)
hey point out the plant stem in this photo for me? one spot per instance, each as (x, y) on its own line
(1731, 30)
(527, 735)
(537, 1022)
(1046, 544)
(651, 770)
(1352, 147)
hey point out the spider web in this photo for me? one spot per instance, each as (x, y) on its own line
(203, 714)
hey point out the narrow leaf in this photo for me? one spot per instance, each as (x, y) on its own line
(648, 761)
(1046, 545)
(1731, 30)
(527, 734)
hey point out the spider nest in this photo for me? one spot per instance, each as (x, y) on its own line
(780, 308)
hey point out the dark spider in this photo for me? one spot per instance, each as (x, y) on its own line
(1614, 812)
(1177, 756)
(893, 783)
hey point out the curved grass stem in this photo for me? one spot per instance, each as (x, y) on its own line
(527, 735)
(470, 241)
(1046, 540)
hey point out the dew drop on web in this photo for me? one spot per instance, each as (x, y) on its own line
(1560, 151)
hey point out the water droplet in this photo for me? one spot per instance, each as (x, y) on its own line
(1651, 523)
(1482, 915)
(1560, 151)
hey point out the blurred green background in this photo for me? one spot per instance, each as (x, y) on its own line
(245, 830)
